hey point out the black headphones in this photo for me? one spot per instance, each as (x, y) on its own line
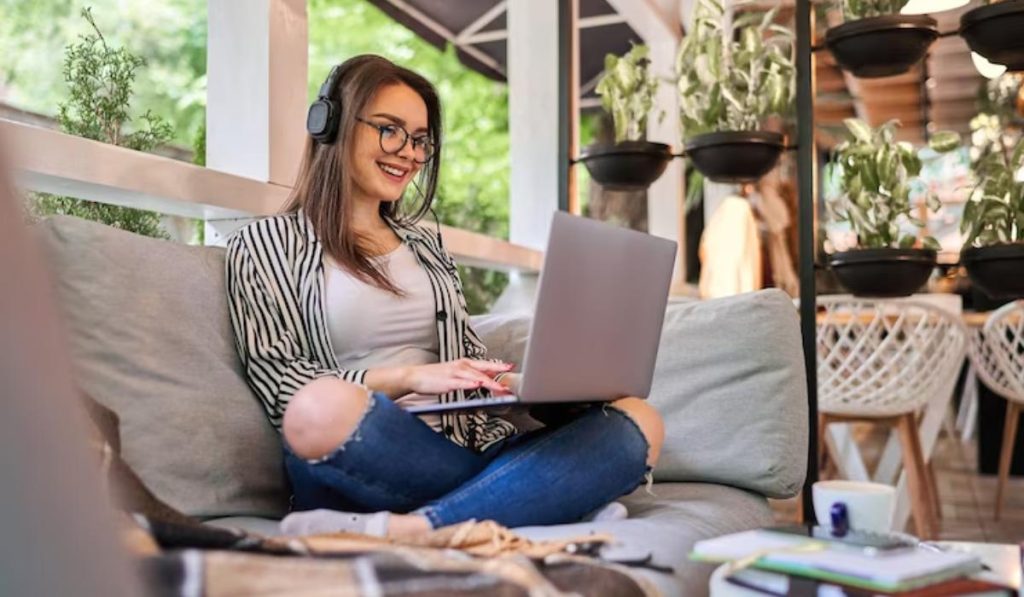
(324, 114)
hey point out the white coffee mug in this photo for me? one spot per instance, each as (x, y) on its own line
(869, 506)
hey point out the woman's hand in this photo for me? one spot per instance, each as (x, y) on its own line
(510, 381)
(438, 378)
(463, 374)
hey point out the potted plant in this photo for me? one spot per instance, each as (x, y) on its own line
(994, 31)
(627, 92)
(729, 80)
(877, 41)
(875, 175)
(993, 219)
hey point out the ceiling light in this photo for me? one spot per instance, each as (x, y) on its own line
(986, 68)
(921, 7)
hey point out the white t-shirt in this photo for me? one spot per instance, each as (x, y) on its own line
(370, 327)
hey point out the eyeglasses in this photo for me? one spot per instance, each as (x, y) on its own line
(394, 137)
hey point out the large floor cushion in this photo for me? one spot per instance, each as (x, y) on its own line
(151, 340)
(730, 384)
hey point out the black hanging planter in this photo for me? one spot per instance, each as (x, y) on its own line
(881, 46)
(996, 32)
(884, 273)
(997, 269)
(630, 165)
(735, 156)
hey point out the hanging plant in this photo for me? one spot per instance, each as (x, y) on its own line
(730, 78)
(877, 41)
(993, 218)
(627, 92)
(875, 173)
(993, 30)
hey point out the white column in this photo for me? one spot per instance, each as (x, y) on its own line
(666, 215)
(533, 119)
(657, 22)
(256, 91)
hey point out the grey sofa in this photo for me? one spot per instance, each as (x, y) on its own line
(151, 340)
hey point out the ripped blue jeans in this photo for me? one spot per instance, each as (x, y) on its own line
(395, 462)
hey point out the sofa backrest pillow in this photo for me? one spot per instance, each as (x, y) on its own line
(729, 382)
(151, 340)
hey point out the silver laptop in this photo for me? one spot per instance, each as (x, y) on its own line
(600, 307)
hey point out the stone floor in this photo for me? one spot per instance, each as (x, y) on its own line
(967, 498)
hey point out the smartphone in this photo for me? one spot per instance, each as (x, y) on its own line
(867, 540)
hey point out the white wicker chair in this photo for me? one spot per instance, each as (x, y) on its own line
(881, 361)
(999, 360)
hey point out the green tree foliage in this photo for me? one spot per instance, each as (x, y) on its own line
(474, 184)
(100, 79)
(169, 35)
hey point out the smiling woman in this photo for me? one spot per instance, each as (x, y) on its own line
(346, 292)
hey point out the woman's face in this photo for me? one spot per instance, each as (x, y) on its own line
(376, 174)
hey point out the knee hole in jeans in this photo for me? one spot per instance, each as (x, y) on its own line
(323, 415)
(648, 420)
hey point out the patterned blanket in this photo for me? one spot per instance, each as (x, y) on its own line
(467, 559)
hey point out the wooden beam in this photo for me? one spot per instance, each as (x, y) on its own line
(957, 91)
(649, 21)
(897, 94)
(500, 34)
(955, 111)
(53, 162)
(443, 31)
(466, 35)
(941, 70)
(907, 116)
(833, 113)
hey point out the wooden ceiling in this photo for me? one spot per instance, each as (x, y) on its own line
(938, 94)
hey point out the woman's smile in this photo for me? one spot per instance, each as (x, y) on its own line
(393, 173)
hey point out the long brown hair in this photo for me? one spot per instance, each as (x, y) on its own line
(323, 189)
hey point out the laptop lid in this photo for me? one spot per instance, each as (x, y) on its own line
(600, 307)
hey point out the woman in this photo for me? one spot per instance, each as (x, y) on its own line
(345, 310)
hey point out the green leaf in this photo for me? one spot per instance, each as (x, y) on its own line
(944, 141)
(929, 242)
(694, 189)
(860, 129)
(907, 241)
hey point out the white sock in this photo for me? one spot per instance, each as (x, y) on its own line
(611, 511)
(314, 522)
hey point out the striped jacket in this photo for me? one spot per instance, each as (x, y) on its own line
(275, 286)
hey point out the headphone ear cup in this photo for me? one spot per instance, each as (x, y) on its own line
(322, 120)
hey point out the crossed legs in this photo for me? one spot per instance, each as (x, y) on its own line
(366, 452)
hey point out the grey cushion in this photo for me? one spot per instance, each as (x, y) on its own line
(152, 341)
(667, 524)
(730, 384)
